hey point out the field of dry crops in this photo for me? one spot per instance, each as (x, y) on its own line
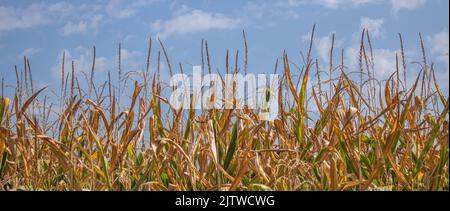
(363, 138)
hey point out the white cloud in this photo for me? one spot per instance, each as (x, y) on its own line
(266, 11)
(132, 60)
(82, 58)
(375, 26)
(439, 44)
(192, 22)
(12, 18)
(82, 26)
(73, 28)
(330, 3)
(384, 61)
(62, 7)
(77, 18)
(118, 9)
(29, 52)
(322, 45)
(398, 5)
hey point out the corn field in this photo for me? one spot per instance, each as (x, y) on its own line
(367, 135)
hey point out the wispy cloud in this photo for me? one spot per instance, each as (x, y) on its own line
(384, 59)
(29, 52)
(12, 18)
(265, 10)
(124, 9)
(440, 46)
(322, 45)
(330, 3)
(76, 18)
(193, 21)
(82, 58)
(374, 26)
(398, 5)
(82, 27)
(61, 7)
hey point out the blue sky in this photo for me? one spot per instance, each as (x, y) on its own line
(42, 30)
